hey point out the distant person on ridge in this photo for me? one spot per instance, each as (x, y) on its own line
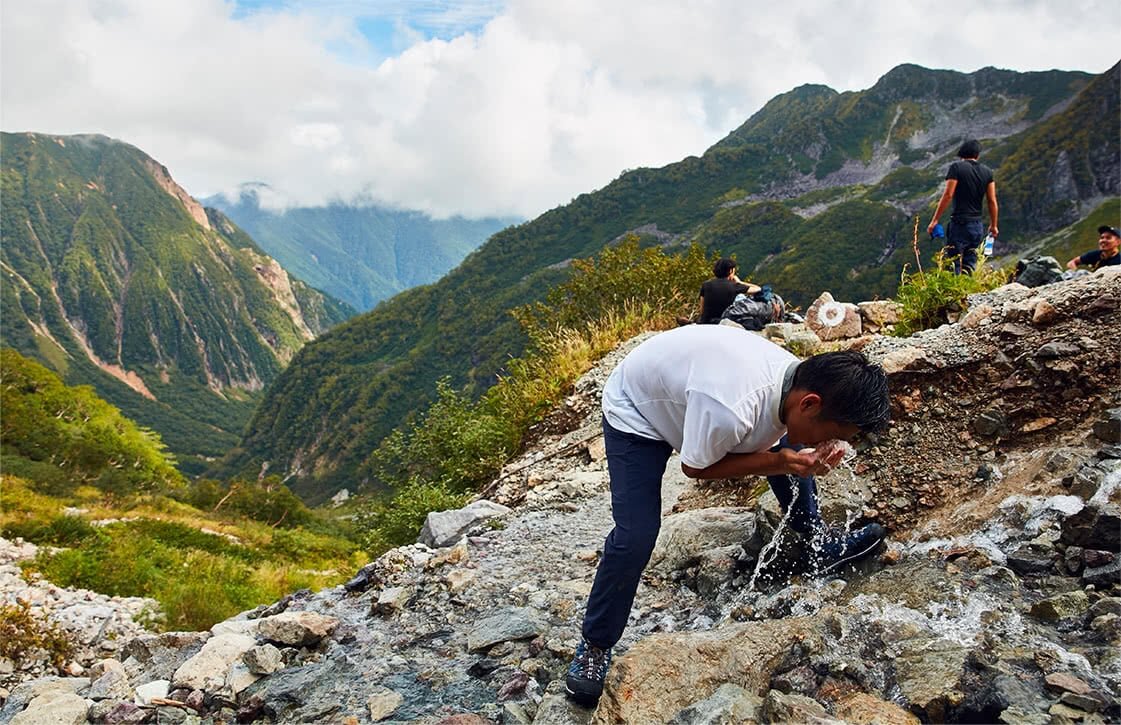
(733, 405)
(1106, 255)
(718, 293)
(968, 182)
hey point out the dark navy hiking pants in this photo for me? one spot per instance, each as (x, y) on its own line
(805, 518)
(636, 466)
(962, 240)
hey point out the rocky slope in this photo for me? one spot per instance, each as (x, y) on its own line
(998, 598)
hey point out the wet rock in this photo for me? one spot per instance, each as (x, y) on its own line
(1096, 526)
(1108, 626)
(207, 669)
(54, 709)
(383, 702)
(1061, 606)
(1106, 605)
(1066, 682)
(1094, 557)
(684, 536)
(832, 320)
(444, 528)
(263, 660)
(252, 709)
(1016, 715)
(1030, 560)
(865, 709)
(1103, 576)
(1072, 560)
(929, 674)
(1087, 480)
(1108, 426)
(717, 568)
(780, 707)
(1091, 702)
(1061, 714)
(729, 705)
(513, 623)
(298, 629)
(661, 674)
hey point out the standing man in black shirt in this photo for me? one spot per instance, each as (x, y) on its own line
(1107, 254)
(967, 182)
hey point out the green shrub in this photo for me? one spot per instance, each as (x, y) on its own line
(398, 521)
(929, 298)
(57, 531)
(24, 638)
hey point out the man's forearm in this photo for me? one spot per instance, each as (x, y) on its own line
(942, 204)
(737, 465)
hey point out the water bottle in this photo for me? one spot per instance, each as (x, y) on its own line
(989, 245)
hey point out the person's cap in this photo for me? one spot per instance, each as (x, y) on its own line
(1109, 230)
(938, 232)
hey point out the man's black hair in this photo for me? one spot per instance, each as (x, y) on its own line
(971, 149)
(852, 390)
(723, 267)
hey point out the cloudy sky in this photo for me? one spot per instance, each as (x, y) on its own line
(481, 106)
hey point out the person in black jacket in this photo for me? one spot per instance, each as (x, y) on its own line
(968, 183)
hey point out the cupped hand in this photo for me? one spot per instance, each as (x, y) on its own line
(801, 464)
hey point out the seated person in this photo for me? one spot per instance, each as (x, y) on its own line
(1106, 255)
(719, 292)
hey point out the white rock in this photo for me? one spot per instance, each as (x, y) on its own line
(207, 669)
(383, 702)
(62, 709)
(297, 629)
(151, 691)
(444, 528)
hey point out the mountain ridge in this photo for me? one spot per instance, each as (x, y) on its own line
(388, 360)
(116, 277)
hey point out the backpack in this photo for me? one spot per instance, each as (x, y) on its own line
(1038, 271)
(756, 311)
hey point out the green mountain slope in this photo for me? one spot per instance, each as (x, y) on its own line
(816, 191)
(360, 254)
(115, 277)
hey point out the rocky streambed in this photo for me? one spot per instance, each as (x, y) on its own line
(998, 598)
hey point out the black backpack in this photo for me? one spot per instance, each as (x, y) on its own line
(1038, 271)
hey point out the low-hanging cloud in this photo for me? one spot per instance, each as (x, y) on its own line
(543, 102)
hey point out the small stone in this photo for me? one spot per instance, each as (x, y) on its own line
(1108, 426)
(459, 579)
(390, 600)
(1065, 713)
(1108, 626)
(991, 422)
(1044, 313)
(1061, 606)
(383, 702)
(298, 629)
(1106, 605)
(779, 707)
(514, 686)
(1090, 703)
(513, 623)
(263, 660)
(147, 692)
(1103, 576)
(1066, 682)
(170, 715)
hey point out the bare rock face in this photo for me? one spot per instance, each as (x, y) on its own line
(665, 673)
(832, 320)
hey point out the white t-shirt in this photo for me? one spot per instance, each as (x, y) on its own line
(707, 390)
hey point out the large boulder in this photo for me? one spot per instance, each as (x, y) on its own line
(444, 528)
(832, 320)
(58, 709)
(157, 656)
(729, 705)
(684, 537)
(663, 674)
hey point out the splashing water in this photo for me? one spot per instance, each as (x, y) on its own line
(770, 551)
(960, 621)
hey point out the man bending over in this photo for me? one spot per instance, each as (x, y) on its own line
(733, 405)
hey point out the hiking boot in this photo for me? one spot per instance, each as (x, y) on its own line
(839, 549)
(586, 674)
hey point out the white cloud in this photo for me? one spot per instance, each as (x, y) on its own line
(545, 101)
